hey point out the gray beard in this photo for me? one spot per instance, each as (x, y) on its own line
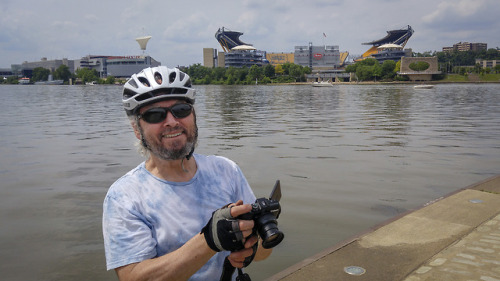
(171, 154)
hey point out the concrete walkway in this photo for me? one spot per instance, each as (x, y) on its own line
(456, 237)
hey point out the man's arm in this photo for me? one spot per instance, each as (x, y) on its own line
(177, 265)
(185, 261)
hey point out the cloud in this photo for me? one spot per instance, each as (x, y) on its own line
(180, 30)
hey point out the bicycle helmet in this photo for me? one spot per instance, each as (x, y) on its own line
(154, 84)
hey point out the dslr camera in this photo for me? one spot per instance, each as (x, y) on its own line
(265, 213)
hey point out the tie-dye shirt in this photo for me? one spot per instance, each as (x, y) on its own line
(146, 217)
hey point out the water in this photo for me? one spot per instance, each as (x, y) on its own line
(348, 157)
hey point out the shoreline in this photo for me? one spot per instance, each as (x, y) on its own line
(387, 83)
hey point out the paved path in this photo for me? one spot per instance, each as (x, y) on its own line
(453, 238)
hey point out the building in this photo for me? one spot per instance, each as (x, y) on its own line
(466, 46)
(280, 58)
(117, 66)
(213, 58)
(26, 68)
(398, 37)
(245, 56)
(391, 52)
(317, 57)
(125, 66)
(488, 63)
(236, 52)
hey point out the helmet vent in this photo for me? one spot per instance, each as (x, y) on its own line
(171, 77)
(158, 78)
(187, 84)
(144, 81)
(132, 83)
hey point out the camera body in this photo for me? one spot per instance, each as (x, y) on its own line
(265, 213)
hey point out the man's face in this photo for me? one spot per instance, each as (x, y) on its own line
(171, 139)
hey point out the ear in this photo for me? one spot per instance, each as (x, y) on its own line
(135, 126)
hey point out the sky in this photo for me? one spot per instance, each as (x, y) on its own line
(56, 29)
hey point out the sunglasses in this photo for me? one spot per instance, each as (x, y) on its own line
(158, 114)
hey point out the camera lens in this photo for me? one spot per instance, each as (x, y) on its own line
(268, 231)
(273, 240)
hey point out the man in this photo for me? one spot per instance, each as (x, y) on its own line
(164, 219)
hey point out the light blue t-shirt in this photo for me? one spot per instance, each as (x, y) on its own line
(146, 217)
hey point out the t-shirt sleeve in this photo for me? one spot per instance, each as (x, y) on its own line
(243, 190)
(127, 236)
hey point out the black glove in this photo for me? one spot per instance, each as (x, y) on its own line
(222, 231)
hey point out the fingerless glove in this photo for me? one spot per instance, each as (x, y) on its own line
(222, 231)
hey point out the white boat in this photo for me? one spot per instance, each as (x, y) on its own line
(322, 84)
(24, 81)
(423, 86)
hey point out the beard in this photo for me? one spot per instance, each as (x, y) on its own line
(176, 151)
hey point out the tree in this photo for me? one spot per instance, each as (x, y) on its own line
(62, 73)
(255, 72)
(40, 74)
(388, 69)
(376, 71)
(110, 80)
(497, 68)
(269, 71)
(351, 68)
(87, 75)
(295, 71)
(364, 72)
(279, 69)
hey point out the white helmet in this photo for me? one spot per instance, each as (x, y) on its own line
(154, 84)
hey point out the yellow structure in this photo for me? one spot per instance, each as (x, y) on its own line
(280, 58)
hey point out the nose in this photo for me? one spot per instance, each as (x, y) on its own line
(170, 120)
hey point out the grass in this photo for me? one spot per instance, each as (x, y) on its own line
(462, 78)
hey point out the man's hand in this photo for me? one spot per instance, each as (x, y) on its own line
(225, 233)
(246, 226)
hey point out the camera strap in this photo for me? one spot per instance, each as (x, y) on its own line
(228, 268)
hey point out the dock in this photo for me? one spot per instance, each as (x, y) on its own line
(456, 237)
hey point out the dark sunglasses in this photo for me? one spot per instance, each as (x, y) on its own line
(158, 114)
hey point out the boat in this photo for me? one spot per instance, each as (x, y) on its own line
(24, 81)
(424, 86)
(322, 84)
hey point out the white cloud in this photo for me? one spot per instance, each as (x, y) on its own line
(182, 29)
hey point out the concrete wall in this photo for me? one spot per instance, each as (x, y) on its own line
(425, 75)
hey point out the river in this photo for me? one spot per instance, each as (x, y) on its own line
(348, 157)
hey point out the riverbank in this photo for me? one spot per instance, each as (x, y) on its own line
(456, 237)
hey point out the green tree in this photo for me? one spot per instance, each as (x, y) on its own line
(376, 71)
(351, 68)
(364, 72)
(87, 75)
(269, 71)
(40, 74)
(388, 69)
(295, 71)
(279, 69)
(255, 72)
(497, 68)
(62, 73)
(419, 65)
(110, 80)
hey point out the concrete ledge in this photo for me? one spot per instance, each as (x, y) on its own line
(393, 250)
